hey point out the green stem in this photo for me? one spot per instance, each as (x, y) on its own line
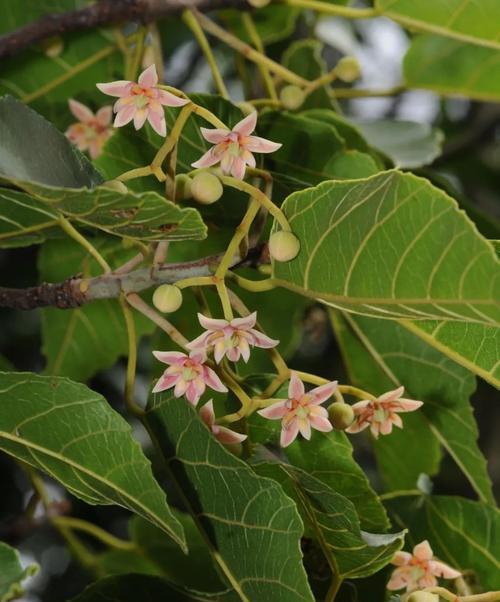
(224, 299)
(135, 61)
(98, 533)
(87, 245)
(195, 281)
(138, 172)
(173, 137)
(334, 588)
(447, 595)
(333, 9)
(193, 24)
(131, 361)
(253, 34)
(256, 286)
(363, 93)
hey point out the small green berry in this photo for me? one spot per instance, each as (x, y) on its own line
(206, 188)
(284, 246)
(167, 298)
(292, 97)
(259, 3)
(183, 187)
(115, 185)
(423, 597)
(348, 69)
(341, 415)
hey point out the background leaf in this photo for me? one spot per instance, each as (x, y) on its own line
(12, 573)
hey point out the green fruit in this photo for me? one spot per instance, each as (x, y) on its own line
(116, 185)
(292, 97)
(259, 3)
(284, 246)
(206, 188)
(341, 415)
(183, 187)
(348, 69)
(167, 298)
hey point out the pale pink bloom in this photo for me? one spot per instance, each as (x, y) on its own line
(381, 413)
(221, 433)
(301, 410)
(92, 130)
(231, 338)
(142, 100)
(234, 148)
(188, 374)
(418, 570)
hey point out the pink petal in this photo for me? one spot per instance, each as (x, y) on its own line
(262, 340)
(423, 551)
(124, 116)
(320, 423)
(95, 148)
(207, 413)
(323, 393)
(200, 343)
(289, 434)
(171, 100)
(170, 357)
(244, 348)
(118, 88)
(406, 405)
(357, 426)
(226, 163)
(213, 381)
(228, 437)
(158, 123)
(233, 354)
(140, 118)
(245, 323)
(392, 395)
(247, 125)
(304, 428)
(104, 115)
(238, 168)
(296, 387)
(80, 111)
(212, 323)
(386, 427)
(396, 420)
(401, 558)
(180, 388)
(440, 569)
(360, 406)
(194, 392)
(248, 158)
(426, 581)
(220, 351)
(165, 382)
(148, 78)
(399, 579)
(214, 136)
(198, 356)
(375, 429)
(275, 411)
(260, 145)
(206, 160)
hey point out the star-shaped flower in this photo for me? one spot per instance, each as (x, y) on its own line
(92, 130)
(221, 433)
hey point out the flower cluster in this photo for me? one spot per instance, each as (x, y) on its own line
(418, 570)
(91, 130)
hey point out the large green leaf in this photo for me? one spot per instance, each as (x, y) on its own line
(328, 457)
(463, 533)
(251, 527)
(71, 433)
(333, 522)
(273, 23)
(474, 346)
(79, 342)
(12, 573)
(391, 246)
(453, 67)
(33, 150)
(466, 20)
(383, 355)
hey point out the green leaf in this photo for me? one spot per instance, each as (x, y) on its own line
(328, 457)
(79, 342)
(251, 527)
(303, 155)
(347, 129)
(465, 20)
(71, 433)
(350, 552)
(450, 67)
(401, 249)
(474, 346)
(33, 150)
(397, 357)
(273, 23)
(407, 144)
(463, 533)
(12, 573)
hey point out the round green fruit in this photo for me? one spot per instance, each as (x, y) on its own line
(284, 246)
(206, 188)
(167, 298)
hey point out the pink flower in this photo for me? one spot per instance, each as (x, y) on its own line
(232, 339)
(301, 410)
(188, 374)
(142, 100)
(418, 570)
(91, 131)
(234, 148)
(221, 433)
(380, 414)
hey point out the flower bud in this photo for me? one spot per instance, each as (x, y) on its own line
(348, 69)
(259, 3)
(341, 415)
(206, 188)
(245, 107)
(284, 246)
(148, 57)
(292, 97)
(183, 187)
(167, 298)
(115, 185)
(423, 597)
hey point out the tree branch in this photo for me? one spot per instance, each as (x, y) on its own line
(104, 12)
(76, 291)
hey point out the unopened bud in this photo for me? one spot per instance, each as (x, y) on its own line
(423, 597)
(183, 187)
(206, 188)
(53, 47)
(259, 3)
(348, 69)
(246, 107)
(148, 57)
(115, 185)
(167, 298)
(284, 246)
(341, 415)
(292, 97)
